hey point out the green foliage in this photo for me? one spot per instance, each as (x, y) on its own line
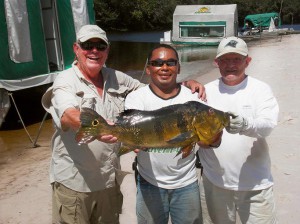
(157, 15)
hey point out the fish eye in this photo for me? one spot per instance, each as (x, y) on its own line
(95, 122)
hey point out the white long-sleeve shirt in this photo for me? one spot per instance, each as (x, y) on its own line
(242, 161)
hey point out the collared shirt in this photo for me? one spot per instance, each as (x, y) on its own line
(87, 167)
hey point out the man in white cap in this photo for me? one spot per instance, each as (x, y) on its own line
(237, 179)
(84, 178)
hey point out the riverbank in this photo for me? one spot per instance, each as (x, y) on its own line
(25, 193)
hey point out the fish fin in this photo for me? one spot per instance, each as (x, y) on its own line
(128, 112)
(186, 150)
(84, 137)
(181, 138)
(124, 149)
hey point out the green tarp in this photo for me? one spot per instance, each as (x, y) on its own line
(48, 49)
(262, 20)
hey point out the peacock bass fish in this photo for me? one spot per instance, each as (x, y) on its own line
(179, 125)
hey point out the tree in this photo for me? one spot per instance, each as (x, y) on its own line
(158, 15)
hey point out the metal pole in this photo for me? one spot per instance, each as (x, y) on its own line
(39, 131)
(12, 98)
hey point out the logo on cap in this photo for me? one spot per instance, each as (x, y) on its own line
(231, 43)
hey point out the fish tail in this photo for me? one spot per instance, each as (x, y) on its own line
(92, 125)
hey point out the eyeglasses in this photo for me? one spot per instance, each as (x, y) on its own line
(160, 63)
(87, 46)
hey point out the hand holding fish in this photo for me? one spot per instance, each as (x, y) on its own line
(237, 123)
(70, 119)
(107, 138)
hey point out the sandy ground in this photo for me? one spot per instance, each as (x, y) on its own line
(25, 193)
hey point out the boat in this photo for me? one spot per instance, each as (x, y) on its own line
(36, 39)
(262, 26)
(202, 24)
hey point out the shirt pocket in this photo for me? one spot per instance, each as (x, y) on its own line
(117, 98)
(86, 100)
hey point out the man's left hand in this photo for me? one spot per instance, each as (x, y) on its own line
(196, 87)
(107, 138)
(237, 123)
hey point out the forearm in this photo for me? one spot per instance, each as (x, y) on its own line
(195, 86)
(261, 125)
(259, 128)
(70, 119)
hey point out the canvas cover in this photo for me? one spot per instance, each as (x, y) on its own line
(27, 45)
(20, 58)
(262, 20)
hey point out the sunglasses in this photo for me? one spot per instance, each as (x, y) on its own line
(160, 63)
(87, 46)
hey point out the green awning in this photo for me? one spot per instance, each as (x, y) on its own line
(262, 20)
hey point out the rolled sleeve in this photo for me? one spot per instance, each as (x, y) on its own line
(62, 100)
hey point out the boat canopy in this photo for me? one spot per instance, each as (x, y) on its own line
(262, 21)
(36, 39)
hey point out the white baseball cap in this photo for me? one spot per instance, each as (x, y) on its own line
(232, 45)
(87, 32)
